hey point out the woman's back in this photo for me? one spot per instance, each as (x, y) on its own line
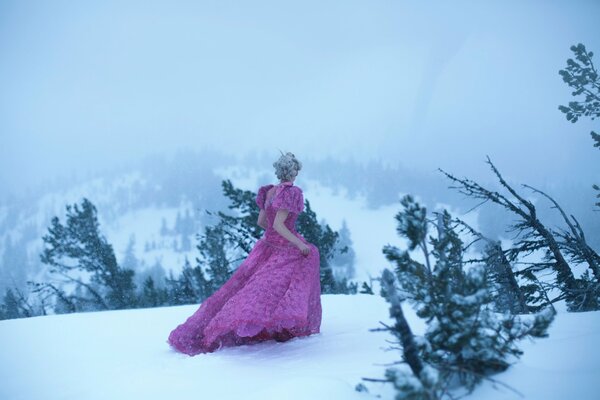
(276, 197)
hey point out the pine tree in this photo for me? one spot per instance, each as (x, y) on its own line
(581, 75)
(13, 264)
(179, 291)
(325, 239)
(213, 257)
(79, 246)
(533, 235)
(164, 231)
(151, 296)
(199, 286)
(366, 288)
(186, 243)
(465, 340)
(345, 255)
(189, 288)
(11, 306)
(508, 294)
(129, 259)
(177, 229)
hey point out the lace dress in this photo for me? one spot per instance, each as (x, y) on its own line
(275, 293)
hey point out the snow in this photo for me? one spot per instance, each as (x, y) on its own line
(144, 224)
(124, 355)
(566, 365)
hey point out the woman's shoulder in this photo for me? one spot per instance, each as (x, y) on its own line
(289, 197)
(266, 187)
(261, 195)
(295, 188)
(291, 191)
(292, 188)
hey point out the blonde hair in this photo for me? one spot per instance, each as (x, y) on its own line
(287, 166)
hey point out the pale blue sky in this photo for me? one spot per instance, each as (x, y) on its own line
(91, 84)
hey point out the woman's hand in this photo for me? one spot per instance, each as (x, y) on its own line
(304, 249)
(280, 227)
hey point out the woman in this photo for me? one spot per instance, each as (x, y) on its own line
(276, 292)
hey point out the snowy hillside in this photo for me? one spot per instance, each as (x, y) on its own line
(124, 355)
(154, 237)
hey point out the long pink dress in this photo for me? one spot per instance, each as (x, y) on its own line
(275, 293)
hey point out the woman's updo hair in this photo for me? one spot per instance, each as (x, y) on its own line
(287, 167)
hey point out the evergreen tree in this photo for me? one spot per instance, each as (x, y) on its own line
(533, 235)
(16, 304)
(152, 296)
(164, 231)
(186, 243)
(156, 272)
(178, 225)
(199, 284)
(465, 340)
(187, 224)
(129, 260)
(344, 253)
(366, 288)
(13, 264)
(186, 228)
(79, 246)
(179, 291)
(325, 239)
(509, 295)
(189, 288)
(581, 75)
(213, 257)
(11, 306)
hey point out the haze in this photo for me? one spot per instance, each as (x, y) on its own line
(89, 85)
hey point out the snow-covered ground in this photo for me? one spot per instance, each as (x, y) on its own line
(124, 355)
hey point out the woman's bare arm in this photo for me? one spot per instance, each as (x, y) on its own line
(262, 219)
(280, 227)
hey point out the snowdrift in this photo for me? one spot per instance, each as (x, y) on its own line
(124, 355)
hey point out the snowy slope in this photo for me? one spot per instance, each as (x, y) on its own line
(124, 355)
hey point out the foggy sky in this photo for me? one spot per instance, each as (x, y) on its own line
(87, 85)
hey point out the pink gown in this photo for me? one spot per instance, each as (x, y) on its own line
(275, 293)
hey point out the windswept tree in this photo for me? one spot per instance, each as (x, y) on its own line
(561, 248)
(80, 256)
(465, 340)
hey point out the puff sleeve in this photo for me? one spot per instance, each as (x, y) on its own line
(290, 198)
(262, 195)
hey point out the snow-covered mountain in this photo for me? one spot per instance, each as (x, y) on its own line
(124, 355)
